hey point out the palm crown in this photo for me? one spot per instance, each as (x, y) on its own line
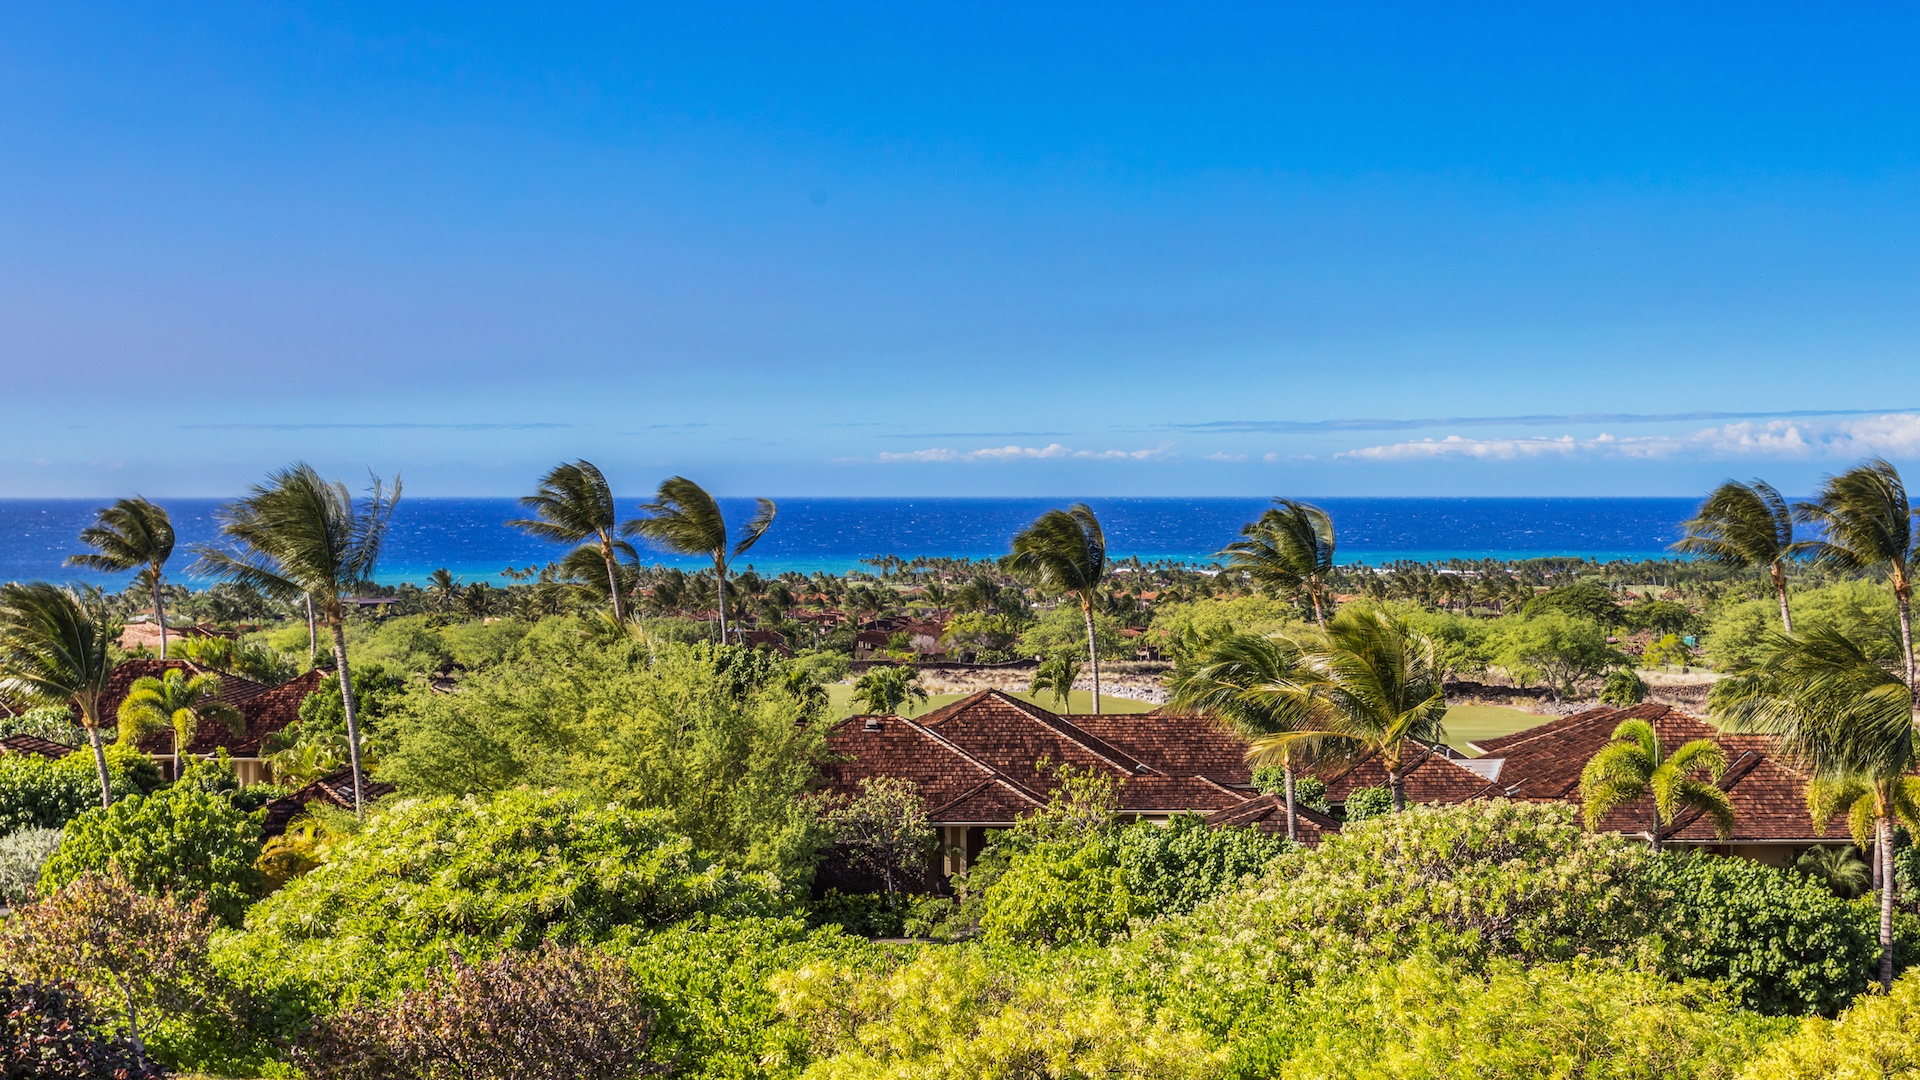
(178, 701)
(1866, 521)
(1749, 527)
(1847, 722)
(1635, 764)
(1065, 552)
(1287, 549)
(299, 534)
(56, 648)
(573, 503)
(683, 517)
(1234, 680)
(132, 534)
(1373, 681)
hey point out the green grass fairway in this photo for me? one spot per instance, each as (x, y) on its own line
(1466, 723)
(842, 702)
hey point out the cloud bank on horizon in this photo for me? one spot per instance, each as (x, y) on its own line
(883, 250)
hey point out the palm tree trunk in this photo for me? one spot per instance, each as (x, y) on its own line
(1313, 594)
(160, 611)
(1883, 828)
(100, 762)
(1903, 599)
(720, 575)
(1398, 785)
(1780, 588)
(337, 625)
(613, 578)
(1093, 653)
(1293, 821)
(313, 634)
(1654, 832)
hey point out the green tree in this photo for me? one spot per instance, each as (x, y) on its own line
(1840, 869)
(883, 688)
(1847, 722)
(1065, 552)
(1250, 683)
(1557, 647)
(1866, 522)
(56, 648)
(1747, 527)
(684, 518)
(444, 588)
(1056, 674)
(574, 503)
(1287, 549)
(1374, 681)
(883, 830)
(1634, 765)
(132, 534)
(176, 701)
(180, 838)
(1623, 687)
(299, 535)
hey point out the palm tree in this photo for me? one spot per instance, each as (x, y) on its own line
(1241, 680)
(1867, 522)
(684, 518)
(56, 649)
(1634, 764)
(884, 688)
(1748, 527)
(1375, 681)
(572, 504)
(1288, 548)
(1065, 552)
(300, 534)
(1056, 673)
(444, 588)
(1847, 722)
(177, 701)
(132, 534)
(1838, 868)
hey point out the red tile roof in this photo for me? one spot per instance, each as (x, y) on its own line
(34, 746)
(1428, 774)
(335, 788)
(989, 758)
(1769, 799)
(1268, 813)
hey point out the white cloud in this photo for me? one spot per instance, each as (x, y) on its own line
(1892, 435)
(1023, 453)
(1226, 457)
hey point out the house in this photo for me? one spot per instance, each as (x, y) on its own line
(334, 789)
(771, 640)
(264, 710)
(1771, 824)
(142, 632)
(989, 759)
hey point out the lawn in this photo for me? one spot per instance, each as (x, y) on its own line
(1082, 702)
(1466, 723)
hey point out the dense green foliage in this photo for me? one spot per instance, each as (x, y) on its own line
(41, 793)
(1878, 1037)
(1780, 942)
(181, 838)
(23, 853)
(47, 1033)
(711, 737)
(479, 874)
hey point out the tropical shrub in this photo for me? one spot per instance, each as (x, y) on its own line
(710, 736)
(1065, 628)
(1623, 687)
(1878, 1037)
(1364, 803)
(882, 833)
(707, 981)
(1060, 892)
(1172, 869)
(554, 1013)
(1863, 610)
(1176, 624)
(377, 693)
(181, 838)
(1480, 879)
(47, 1033)
(139, 958)
(1423, 1019)
(1780, 942)
(430, 877)
(53, 723)
(43, 793)
(963, 1014)
(22, 855)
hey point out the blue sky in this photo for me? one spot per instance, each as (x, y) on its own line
(959, 250)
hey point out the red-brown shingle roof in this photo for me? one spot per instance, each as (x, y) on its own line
(266, 709)
(336, 788)
(34, 746)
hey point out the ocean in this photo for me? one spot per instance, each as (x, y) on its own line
(470, 537)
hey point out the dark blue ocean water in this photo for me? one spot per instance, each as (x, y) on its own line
(469, 537)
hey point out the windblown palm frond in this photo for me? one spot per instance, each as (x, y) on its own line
(56, 649)
(1866, 521)
(132, 534)
(1064, 552)
(177, 701)
(683, 517)
(1287, 549)
(574, 503)
(1748, 527)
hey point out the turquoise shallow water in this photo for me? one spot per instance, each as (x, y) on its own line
(469, 537)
